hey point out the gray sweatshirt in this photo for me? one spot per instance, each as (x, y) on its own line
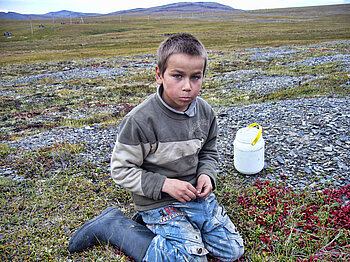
(154, 143)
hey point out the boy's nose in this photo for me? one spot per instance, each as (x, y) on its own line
(187, 86)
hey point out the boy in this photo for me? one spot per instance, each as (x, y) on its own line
(166, 156)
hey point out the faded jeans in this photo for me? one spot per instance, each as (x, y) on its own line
(188, 232)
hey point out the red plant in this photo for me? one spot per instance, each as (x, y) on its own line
(277, 213)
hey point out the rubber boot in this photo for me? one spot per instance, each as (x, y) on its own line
(113, 227)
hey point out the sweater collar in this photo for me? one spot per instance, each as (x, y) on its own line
(191, 110)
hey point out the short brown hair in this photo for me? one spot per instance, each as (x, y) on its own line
(183, 43)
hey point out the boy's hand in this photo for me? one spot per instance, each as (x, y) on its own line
(204, 186)
(180, 190)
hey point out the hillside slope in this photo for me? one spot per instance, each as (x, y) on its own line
(170, 8)
(179, 7)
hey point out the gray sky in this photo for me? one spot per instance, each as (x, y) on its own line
(108, 6)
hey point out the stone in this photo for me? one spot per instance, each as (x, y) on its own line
(280, 160)
(328, 149)
(307, 170)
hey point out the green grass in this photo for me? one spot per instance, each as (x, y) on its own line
(138, 35)
(38, 215)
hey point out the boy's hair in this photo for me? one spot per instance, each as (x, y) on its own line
(183, 43)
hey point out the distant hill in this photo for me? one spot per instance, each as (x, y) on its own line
(58, 14)
(181, 7)
(66, 13)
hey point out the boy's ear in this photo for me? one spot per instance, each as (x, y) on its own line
(159, 77)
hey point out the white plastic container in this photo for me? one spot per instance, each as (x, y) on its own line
(249, 150)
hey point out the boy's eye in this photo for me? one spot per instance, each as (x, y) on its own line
(177, 76)
(196, 77)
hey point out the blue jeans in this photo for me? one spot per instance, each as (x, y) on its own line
(188, 232)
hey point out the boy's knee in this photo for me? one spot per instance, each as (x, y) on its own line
(238, 249)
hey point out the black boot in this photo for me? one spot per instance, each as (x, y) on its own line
(113, 227)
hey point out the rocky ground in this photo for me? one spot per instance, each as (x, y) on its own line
(307, 141)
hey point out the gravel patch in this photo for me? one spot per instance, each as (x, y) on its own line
(83, 69)
(265, 54)
(68, 74)
(307, 141)
(268, 84)
(323, 60)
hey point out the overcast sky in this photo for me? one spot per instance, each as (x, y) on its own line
(108, 6)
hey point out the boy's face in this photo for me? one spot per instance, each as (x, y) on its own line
(182, 80)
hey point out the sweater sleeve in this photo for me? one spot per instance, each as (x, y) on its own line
(208, 155)
(129, 152)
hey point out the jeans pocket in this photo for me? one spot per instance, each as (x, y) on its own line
(195, 249)
(185, 237)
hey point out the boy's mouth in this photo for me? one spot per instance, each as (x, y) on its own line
(185, 98)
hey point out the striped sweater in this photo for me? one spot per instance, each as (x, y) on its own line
(155, 143)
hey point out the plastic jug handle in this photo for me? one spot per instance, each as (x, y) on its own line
(259, 133)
